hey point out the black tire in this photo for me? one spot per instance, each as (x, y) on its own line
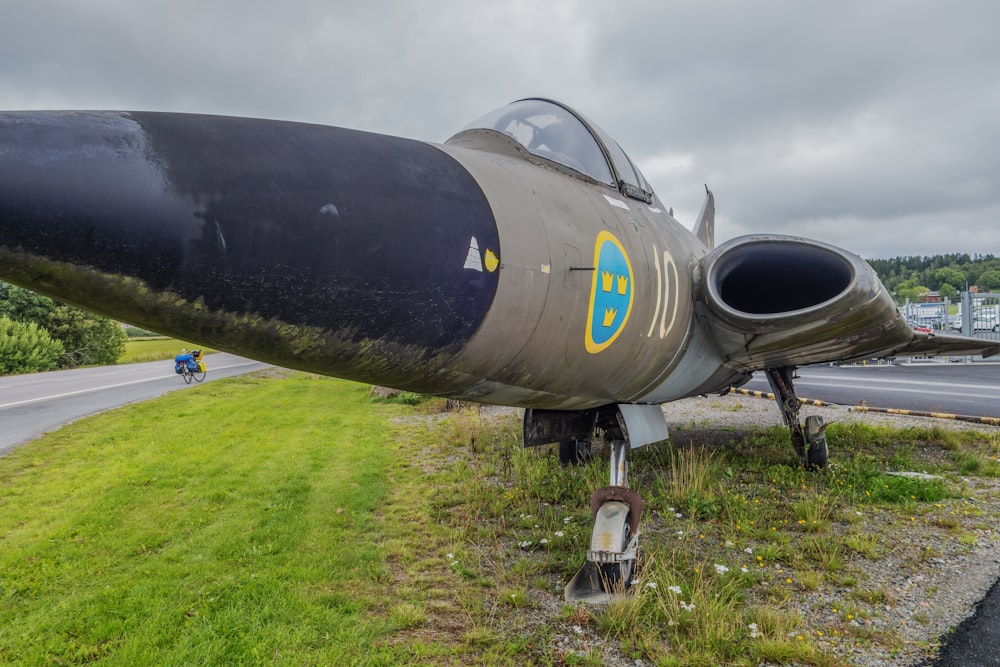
(818, 453)
(199, 376)
(573, 452)
(187, 377)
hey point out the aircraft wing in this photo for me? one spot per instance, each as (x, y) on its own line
(933, 344)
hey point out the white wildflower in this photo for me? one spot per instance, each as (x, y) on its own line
(721, 569)
(676, 590)
(687, 607)
(543, 541)
(559, 533)
(525, 544)
(749, 550)
(652, 584)
(754, 632)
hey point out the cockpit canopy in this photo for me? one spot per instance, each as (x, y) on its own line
(555, 132)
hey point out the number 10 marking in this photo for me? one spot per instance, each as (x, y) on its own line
(666, 293)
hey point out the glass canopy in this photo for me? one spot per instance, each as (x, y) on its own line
(555, 132)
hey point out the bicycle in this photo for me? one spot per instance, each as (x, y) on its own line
(190, 366)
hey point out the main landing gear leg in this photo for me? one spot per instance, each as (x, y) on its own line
(614, 542)
(809, 440)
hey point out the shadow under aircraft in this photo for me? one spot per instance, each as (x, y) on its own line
(524, 262)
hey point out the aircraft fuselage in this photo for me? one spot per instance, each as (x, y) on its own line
(470, 270)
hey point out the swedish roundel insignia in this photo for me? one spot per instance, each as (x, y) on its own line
(611, 293)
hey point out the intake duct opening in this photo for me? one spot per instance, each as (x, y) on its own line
(769, 301)
(770, 276)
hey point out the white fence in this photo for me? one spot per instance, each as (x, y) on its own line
(972, 315)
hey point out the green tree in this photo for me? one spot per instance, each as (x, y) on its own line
(948, 292)
(910, 289)
(23, 305)
(86, 338)
(947, 275)
(26, 348)
(989, 280)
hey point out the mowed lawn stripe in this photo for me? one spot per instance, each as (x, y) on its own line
(227, 524)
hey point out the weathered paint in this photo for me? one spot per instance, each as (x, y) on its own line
(321, 248)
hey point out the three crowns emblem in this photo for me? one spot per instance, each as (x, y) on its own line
(610, 293)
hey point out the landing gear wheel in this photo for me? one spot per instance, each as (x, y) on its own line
(817, 454)
(573, 452)
(617, 576)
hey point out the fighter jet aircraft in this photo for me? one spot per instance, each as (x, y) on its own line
(524, 262)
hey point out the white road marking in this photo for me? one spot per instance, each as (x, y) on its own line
(108, 386)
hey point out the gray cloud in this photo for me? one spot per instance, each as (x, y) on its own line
(873, 126)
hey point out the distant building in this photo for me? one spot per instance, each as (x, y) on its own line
(931, 297)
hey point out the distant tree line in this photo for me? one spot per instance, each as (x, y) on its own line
(41, 334)
(913, 277)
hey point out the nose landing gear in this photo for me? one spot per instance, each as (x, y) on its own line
(614, 541)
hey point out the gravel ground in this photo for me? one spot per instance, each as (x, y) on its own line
(933, 579)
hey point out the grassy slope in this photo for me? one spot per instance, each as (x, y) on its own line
(288, 520)
(229, 524)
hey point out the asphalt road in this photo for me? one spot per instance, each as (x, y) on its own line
(955, 388)
(31, 405)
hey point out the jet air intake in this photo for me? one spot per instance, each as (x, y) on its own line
(772, 301)
(753, 278)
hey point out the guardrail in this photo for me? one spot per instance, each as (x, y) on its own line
(992, 421)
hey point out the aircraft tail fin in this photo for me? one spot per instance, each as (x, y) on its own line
(704, 228)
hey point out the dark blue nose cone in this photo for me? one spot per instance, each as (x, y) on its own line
(315, 247)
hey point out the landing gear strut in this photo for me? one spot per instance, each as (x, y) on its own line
(614, 542)
(808, 440)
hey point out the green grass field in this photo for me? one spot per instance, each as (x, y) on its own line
(155, 349)
(235, 524)
(284, 518)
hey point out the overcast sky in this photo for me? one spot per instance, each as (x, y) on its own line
(873, 125)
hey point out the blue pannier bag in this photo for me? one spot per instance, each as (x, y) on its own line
(181, 359)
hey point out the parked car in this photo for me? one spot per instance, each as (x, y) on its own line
(978, 324)
(985, 325)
